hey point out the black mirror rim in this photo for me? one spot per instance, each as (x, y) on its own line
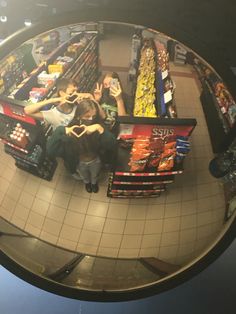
(150, 20)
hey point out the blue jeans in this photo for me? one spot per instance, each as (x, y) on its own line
(89, 170)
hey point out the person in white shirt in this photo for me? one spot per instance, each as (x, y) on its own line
(63, 110)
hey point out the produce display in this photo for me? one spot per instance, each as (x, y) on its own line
(145, 95)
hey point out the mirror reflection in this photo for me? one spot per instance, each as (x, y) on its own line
(116, 165)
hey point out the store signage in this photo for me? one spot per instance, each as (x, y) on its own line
(162, 133)
(132, 131)
(15, 112)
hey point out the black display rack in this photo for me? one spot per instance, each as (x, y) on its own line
(124, 183)
(150, 182)
(44, 171)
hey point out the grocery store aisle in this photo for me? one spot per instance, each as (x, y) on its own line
(114, 55)
(175, 227)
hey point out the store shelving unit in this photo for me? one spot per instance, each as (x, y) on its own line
(87, 57)
(30, 158)
(165, 85)
(11, 73)
(148, 182)
(220, 115)
(180, 54)
(83, 69)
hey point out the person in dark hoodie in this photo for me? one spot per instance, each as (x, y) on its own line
(84, 144)
(112, 99)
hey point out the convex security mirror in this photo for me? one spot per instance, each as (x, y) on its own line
(158, 211)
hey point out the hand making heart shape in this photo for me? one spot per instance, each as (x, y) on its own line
(76, 97)
(76, 130)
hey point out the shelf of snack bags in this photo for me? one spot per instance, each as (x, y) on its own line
(145, 95)
(74, 61)
(218, 105)
(154, 87)
(151, 152)
(31, 79)
(75, 56)
(41, 82)
(82, 59)
(11, 72)
(226, 104)
(165, 86)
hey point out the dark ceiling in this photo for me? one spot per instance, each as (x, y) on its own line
(207, 26)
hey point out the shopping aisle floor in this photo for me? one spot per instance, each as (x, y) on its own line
(175, 227)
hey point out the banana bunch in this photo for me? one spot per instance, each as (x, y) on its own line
(145, 91)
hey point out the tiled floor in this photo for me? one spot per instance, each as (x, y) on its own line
(174, 227)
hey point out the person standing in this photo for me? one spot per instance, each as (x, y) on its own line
(111, 98)
(63, 110)
(84, 143)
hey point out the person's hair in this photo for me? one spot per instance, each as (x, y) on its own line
(84, 106)
(106, 97)
(113, 75)
(63, 83)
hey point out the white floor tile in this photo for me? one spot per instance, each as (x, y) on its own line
(69, 233)
(74, 219)
(94, 223)
(134, 227)
(110, 240)
(97, 208)
(117, 211)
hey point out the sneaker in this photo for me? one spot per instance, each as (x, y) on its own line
(88, 187)
(95, 188)
(76, 176)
